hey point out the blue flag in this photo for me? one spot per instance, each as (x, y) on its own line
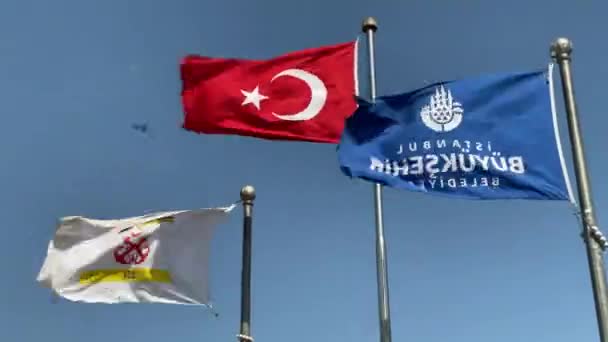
(489, 137)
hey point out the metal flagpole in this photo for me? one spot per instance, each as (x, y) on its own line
(369, 27)
(561, 50)
(247, 196)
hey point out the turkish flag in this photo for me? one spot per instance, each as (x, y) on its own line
(304, 95)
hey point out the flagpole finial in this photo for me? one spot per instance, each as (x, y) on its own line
(370, 23)
(248, 193)
(561, 48)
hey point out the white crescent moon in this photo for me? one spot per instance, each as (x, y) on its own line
(317, 100)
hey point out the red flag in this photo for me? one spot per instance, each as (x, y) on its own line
(304, 95)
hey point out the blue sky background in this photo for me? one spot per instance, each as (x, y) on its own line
(75, 75)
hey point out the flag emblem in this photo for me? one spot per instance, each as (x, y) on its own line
(135, 248)
(132, 252)
(443, 114)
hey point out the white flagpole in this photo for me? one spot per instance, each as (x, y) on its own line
(561, 50)
(369, 27)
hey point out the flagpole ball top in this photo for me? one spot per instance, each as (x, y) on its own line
(247, 193)
(561, 48)
(370, 23)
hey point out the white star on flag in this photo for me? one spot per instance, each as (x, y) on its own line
(253, 97)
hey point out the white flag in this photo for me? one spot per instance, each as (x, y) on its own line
(156, 258)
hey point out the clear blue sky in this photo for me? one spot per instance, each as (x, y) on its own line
(76, 74)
